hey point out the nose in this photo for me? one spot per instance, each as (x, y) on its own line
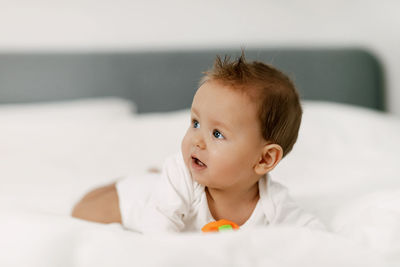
(198, 141)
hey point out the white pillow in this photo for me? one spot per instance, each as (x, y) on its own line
(343, 152)
(53, 152)
(80, 109)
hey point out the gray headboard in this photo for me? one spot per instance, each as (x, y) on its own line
(167, 80)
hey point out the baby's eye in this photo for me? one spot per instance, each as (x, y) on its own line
(196, 124)
(217, 134)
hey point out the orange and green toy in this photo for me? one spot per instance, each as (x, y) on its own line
(219, 226)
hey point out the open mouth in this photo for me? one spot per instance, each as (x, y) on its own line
(196, 163)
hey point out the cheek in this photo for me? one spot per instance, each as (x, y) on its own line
(223, 157)
(185, 146)
(233, 157)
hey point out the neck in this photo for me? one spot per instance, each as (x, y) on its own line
(232, 197)
(236, 206)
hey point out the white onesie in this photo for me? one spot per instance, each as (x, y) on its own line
(173, 202)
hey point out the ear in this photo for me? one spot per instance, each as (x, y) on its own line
(270, 157)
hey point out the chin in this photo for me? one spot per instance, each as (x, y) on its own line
(200, 180)
(196, 179)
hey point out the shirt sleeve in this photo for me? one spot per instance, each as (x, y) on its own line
(164, 208)
(134, 193)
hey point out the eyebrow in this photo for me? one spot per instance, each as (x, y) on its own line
(214, 122)
(194, 110)
(221, 124)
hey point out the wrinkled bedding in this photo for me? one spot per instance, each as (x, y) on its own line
(344, 169)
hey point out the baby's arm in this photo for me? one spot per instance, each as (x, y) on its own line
(99, 205)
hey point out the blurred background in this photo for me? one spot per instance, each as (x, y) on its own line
(344, 168)
(122, 25)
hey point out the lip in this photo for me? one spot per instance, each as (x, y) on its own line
(195, 165)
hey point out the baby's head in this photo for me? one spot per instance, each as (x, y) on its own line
(245, 119)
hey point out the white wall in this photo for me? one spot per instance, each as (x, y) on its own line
(182, 24)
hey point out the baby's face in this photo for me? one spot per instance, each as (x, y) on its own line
(224, 142)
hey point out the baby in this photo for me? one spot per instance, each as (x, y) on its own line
(245, 118)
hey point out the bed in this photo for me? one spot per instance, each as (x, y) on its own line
(71, 121)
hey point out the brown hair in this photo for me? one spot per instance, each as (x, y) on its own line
(279, 108)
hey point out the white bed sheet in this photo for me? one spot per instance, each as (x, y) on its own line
(344, 168)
